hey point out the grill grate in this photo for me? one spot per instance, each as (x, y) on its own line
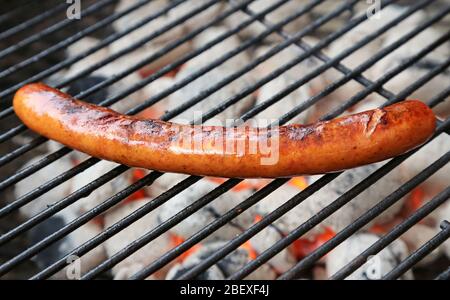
(286, 40)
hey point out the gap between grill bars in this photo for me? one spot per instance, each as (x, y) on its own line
(335, 62)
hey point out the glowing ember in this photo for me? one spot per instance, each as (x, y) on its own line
(303, 247)
(177, 240)
(98, 220)
(144, 72)
(381, 229)
(299, 182)
(139, 194)
(415, 200)
(152, 112)
(252, 254)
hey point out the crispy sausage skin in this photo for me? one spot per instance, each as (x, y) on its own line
(323, 147)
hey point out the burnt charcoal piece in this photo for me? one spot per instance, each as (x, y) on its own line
(53, 252)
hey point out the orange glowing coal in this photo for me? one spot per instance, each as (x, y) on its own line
(145, 72)
(414, 201)
(252, 254)
(177, 240)
(303, 246)
(299, 182)
(139, 194)
(153, 112)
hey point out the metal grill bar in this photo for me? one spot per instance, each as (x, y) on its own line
(30, 196)
(160, 73)
(70, 40)
(184, 184)
(33, 21)
(391, 74)
(69, 61)
(30, 252)
(341, 68)
(38, 141)
(132, 47)
(205, 264)
(267, 220)
(335, 85)
(14, 11)
(219, 222)
(330, 209)
(324, 58)
(158, 97)
(444, 275)
(21, 150)
(223, 250)
(366, 217)
(107, 233)
(60, 25)
(391, 236)
(216, 62)
(125, 250)
(420, 253)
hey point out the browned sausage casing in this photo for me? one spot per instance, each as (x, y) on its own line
(318, 148)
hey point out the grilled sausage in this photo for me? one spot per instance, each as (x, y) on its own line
(318, 148)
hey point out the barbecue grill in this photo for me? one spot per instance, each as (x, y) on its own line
(33, 40)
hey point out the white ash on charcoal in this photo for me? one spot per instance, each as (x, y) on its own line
(200, 19)
(303, 93)
(100, 194)
(40, 177)
(376, 267)
(294, 217)
(338, 21)
(366, 28)
(102, 74)
(425, 157)
(443, 213)
(366, 104)
(75, 239)
(81, 46)
(207, 213)
(275, 16)
(416, 237)
(227, 266)
(211, 78)
(164, 183)
(287, 55)
(58, 220)
(419, 69)
(145, 255)
(153, 89)
(282, 261)
(143, 12)
(275, 86)
(146, 51)
(361, 203)
(213, 101)
(227, 45)
(363, 54)
(161, 41)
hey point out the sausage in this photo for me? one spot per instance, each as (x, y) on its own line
(323, 147)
